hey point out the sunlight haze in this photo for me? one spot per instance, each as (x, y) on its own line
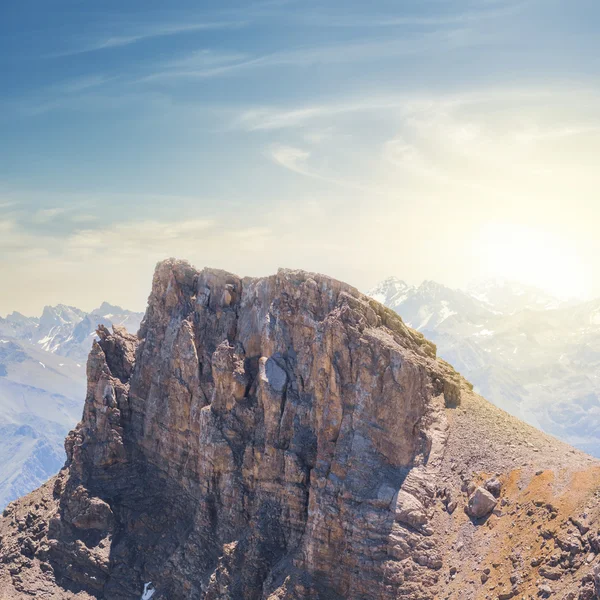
(447, 141)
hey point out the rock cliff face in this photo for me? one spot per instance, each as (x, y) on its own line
(289, 438)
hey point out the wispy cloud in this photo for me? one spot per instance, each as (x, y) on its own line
(134, 237)
(296, 160)
(195, 66)
(418, 20)
(199, 64)
(410, 104)
(84, 218)
(537, 134)
(47, 214)
(79, 84)
(272, 118)
(16, 240)
(137, 237)
(141, 34)
(291, 158)
(449, 144)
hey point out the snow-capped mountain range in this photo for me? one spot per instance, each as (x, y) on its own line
(42, 388)
(66, 330)
(531, 354)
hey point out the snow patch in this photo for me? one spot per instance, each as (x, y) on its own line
(485, 333)
(445, 312)
(148, 591)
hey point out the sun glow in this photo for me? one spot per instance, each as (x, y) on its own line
(534, 256)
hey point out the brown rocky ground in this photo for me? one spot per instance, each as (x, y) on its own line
(287, 437)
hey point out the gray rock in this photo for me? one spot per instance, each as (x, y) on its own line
(493, 486)
(481, 503)
(276, 376)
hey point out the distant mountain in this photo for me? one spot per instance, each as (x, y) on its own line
(510, 296)
(66, 330)
(529, 353)
(430, 304)
(42, 388)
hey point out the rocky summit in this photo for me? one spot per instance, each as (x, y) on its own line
(288, 438)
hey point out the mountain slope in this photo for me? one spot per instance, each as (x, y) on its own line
(40, 400)
(289, 438)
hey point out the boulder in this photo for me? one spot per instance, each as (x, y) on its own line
(481, 503)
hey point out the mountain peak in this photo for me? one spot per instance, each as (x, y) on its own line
(59, 315)
(389, 291)
(287, 437)
(107, 308)
(429, 286)
(19, 319)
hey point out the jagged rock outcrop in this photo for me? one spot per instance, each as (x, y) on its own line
(286, 438)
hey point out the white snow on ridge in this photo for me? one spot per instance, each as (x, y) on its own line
(148, 591)
(47, 343)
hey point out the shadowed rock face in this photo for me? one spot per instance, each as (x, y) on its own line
(273, 438)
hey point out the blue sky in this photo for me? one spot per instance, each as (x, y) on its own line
(344, 137)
